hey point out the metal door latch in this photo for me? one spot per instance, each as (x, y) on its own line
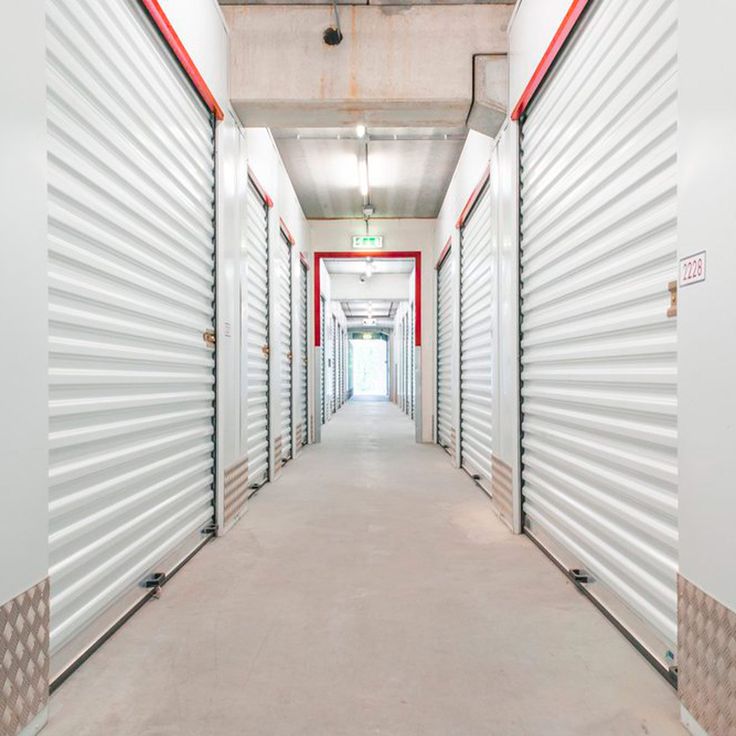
(266, 350)
(155, 580)
(579, 576)
(289, 357)
(672, 310)
(209, 338)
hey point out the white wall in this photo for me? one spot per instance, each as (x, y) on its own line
(473, 161)
(532, 27)
(706, 334)
(23, 303)
(505, 213)
(201, 27)
(380, 286)
(398, 234)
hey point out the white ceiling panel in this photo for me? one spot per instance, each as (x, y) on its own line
(380, 265)
(409, 169)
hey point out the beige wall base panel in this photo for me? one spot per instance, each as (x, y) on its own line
(24, 659)
(707, 659)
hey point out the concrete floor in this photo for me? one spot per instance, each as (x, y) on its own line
(370, 590)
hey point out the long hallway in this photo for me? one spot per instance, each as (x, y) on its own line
(369, 590)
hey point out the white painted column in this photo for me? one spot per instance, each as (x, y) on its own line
(24, 317)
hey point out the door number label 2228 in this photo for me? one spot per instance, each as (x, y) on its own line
(692, 269)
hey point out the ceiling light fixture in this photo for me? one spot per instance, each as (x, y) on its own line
(363, 176)
(360, 130)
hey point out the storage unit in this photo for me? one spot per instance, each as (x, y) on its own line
(333, 365)
(131, 311)
(412, 366)
(599, 349)
(323, 363)
(445, 325)
(339, 366)
(303, 433)
(477, 292)
(257, 421)
(285, 351)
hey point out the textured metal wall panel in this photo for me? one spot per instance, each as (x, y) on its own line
(445, 325)
(476, 342)
(236, 492)
(257, 326)
(707, 661)
(24, 658)
(285, 354)
(599, 353)
(131, 298)
(502, 490)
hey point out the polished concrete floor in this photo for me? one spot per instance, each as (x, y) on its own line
(369, 590)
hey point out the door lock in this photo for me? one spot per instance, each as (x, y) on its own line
(672, 310)
(209, 338)
(266, 350)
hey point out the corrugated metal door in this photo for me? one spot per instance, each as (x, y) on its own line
(599, 352)
(412, 367)
(304, 353)
(285, 354)
(445, 321)
(323, 362)
(257, 321)
(333, 364)
(476, 342)
(131, 294)
(338, 362)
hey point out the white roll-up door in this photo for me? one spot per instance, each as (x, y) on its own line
(257, 325)
(338, 363)
(476, 342)
(304, 353)
(599, 351)
(445, 323)
(412, 366)
(285, 352)
(131, 294)
(323, 362)
(333, 365)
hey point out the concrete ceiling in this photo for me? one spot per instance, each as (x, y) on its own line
(409, 169)
(382, 310)
(380, 265)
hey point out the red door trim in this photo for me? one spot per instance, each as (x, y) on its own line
(259, 188)
(416, 255)
(165, 28)
(473, 197)
(558, 41)
(444, 253)
(287, 233)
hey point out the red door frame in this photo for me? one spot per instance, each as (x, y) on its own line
(414, 255)
(162, 23)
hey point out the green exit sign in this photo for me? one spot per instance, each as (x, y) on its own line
(367, 242)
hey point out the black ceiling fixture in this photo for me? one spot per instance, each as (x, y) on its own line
(333, 34)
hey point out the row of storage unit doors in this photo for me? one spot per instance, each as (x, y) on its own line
(598, 338)
(405, 362)
(334, 364)
(131, 279)
(477, 360)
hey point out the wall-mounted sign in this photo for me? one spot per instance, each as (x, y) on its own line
(367, 242)
(692, 269)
